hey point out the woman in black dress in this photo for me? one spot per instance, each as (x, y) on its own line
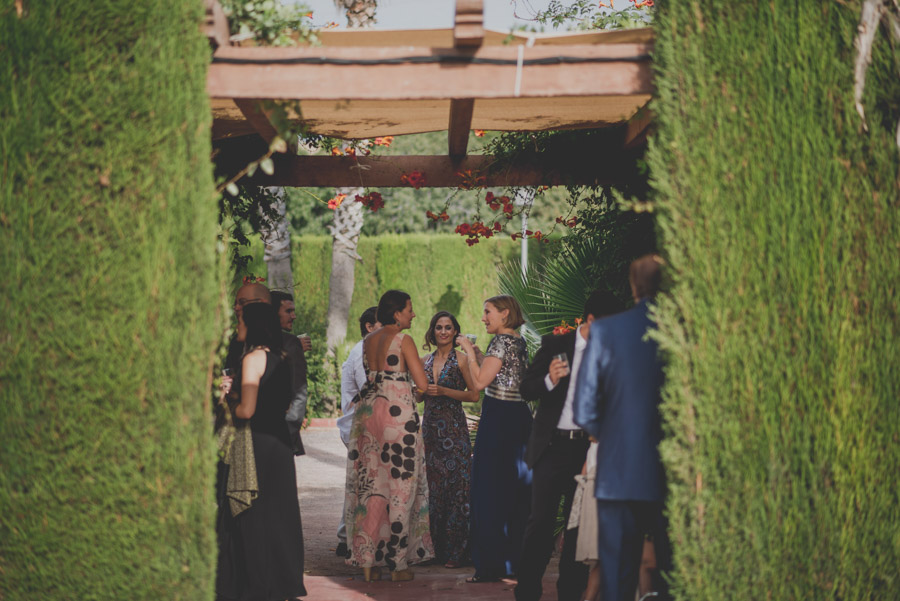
(448, 451)
(269, 548)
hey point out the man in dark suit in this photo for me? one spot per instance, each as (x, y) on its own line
(556, 453)
(296, 349)
(617, 402)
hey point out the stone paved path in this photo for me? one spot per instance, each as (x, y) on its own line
(320, 479)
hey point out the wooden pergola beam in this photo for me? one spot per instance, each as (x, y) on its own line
(637, 129)
(257, 117)
(411, 73)
(215, 24)
(460, 125)
(468, 25)
(438, 171)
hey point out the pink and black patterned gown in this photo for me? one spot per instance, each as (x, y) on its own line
(448, 459)
(387, 490)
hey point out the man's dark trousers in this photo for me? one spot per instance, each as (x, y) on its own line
(621, 527)
(553, 478)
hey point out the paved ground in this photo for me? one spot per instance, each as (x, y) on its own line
(320, 478)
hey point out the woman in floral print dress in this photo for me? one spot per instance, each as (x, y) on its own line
(448, 450)
(387, 490)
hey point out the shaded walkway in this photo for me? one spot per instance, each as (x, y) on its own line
(320, 478)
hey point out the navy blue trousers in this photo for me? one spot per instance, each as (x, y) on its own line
(621, 527)
(501, 487)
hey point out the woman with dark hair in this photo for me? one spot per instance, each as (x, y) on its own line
(387, 491)
(268, 561)
(501, 480)
(448, 451)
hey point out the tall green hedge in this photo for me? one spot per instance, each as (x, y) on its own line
(780, 220)
(439, 271)
(107, 314)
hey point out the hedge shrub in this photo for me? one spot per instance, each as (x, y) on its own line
(439, 271)
(779, 219)
(107, 316)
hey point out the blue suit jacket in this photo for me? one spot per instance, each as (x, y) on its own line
(617, 402)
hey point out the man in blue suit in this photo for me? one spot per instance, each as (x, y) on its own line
(617, 402)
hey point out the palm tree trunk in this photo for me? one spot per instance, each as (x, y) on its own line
(276, 236)
(348, 222)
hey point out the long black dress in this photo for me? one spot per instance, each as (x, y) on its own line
(267, 544)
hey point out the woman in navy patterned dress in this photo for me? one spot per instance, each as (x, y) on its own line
(448, 451)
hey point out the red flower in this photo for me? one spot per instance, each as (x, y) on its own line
(516, 235)
(497, 226)
(463, 229)
(416, 179)
(336, 201)
(373, 200)
(471, 241)
(252, 279)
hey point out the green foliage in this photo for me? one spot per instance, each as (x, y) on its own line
(269, 22)
(109, 303)
(779, 220)
(438, 271)
(589, 14)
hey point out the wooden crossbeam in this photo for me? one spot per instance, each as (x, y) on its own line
(438, 171)
(215, 24)
(410, 73)
(637, 129)
(460, 125)
(254, 113)
(468, 26)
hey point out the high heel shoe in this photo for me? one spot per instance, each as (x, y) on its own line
(373, 573)
(402, 575)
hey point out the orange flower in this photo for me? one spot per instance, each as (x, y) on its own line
(479, 133)
(336, 201)
(470, 179)
(336, 152)
(563, 328)
(384, 141)
(308, 15)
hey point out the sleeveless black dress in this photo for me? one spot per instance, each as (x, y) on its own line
(268, 549)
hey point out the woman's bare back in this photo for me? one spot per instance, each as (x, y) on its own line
(382, 354)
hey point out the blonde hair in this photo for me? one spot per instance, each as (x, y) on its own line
(504, 302)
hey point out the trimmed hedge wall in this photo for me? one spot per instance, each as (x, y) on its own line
(779, 218)
(107, 316)
(439, 271)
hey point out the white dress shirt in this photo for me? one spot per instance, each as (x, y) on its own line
(567, 417)
(353, 378)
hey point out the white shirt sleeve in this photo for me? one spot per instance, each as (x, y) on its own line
(549, 383)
